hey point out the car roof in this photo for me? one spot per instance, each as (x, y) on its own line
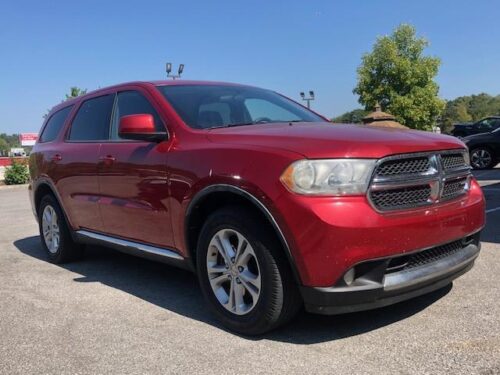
(178, 82)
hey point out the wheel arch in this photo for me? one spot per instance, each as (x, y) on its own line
(216, 196)
(43, 188)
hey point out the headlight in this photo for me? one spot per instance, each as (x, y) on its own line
(467, 158)
(329, 176)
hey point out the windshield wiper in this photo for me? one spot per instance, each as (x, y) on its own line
(254, 123)
(231, 125)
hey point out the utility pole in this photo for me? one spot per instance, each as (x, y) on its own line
(174, 76)
(308, 100)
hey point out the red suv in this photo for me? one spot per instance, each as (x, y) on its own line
(271, 205)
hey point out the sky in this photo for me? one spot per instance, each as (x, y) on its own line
(287, 46)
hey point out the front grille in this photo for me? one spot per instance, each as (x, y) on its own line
(407, 197)
(423, 258)
(454, 188)
(414, 180)
(452, 161)
(403, 167)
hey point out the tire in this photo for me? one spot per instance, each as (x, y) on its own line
(263, 282)
(482, 158)
(54, 233)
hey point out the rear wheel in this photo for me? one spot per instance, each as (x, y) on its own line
(482, 158)
(54, 232)
(243, 273)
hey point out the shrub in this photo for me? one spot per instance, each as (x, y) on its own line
(16, 174)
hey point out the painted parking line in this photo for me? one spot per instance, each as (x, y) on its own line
(492, 210)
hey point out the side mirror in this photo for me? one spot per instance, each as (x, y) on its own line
(140, 127)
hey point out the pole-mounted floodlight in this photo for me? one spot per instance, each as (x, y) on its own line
(308, 100)
(179, 71)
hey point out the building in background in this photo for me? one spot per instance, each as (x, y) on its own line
(379, 118)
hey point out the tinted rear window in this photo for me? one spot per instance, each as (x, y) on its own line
(55, 124)
(92, 120)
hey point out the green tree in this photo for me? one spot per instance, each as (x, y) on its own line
(75, 92)
(12, 140)
(352, 117)
(397, 75)
(4, 147)
(462, 112)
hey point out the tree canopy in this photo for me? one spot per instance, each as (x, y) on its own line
(398, 76)
(352, 117)
(7, 142)
(75, 92)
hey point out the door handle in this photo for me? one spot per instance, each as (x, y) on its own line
(108, 159)
(56, 157)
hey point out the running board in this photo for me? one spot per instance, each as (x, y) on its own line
(134, 248)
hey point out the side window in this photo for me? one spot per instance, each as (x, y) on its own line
(260, 109)
(496, 124)
(133, 103)
(55, 124)
(92, 120)
(486, 124)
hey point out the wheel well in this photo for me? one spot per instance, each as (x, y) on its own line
(42, 191)
(202, 208)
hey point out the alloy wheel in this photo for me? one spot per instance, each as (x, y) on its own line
(50, 227)
(233, 271)
(481, 158)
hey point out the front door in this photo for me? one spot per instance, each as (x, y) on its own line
(133, 179)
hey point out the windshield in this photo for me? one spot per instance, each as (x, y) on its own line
(214, 106)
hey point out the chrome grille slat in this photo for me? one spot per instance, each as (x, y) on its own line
(452, 161)
(454, 188)
(412, 196)
(414, 180)
(399, 167)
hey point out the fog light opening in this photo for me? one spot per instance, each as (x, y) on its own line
(349, 276)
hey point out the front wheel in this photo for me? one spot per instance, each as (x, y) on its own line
(243, 274)
(482, 158)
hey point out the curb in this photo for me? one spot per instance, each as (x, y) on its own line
(9, 187)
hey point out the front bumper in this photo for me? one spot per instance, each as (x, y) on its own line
(376, 285)
(329, 235)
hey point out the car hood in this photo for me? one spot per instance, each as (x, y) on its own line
(327, 140)
(476, 137)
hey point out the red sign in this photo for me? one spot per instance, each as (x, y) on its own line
(28, 139)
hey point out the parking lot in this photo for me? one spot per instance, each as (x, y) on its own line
(113, 313)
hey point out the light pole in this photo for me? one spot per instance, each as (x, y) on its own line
(179, 71)
(308, 100)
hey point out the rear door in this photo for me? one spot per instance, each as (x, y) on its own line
(133, 178)
(77, 159)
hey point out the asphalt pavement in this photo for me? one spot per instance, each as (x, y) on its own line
(116, 314)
